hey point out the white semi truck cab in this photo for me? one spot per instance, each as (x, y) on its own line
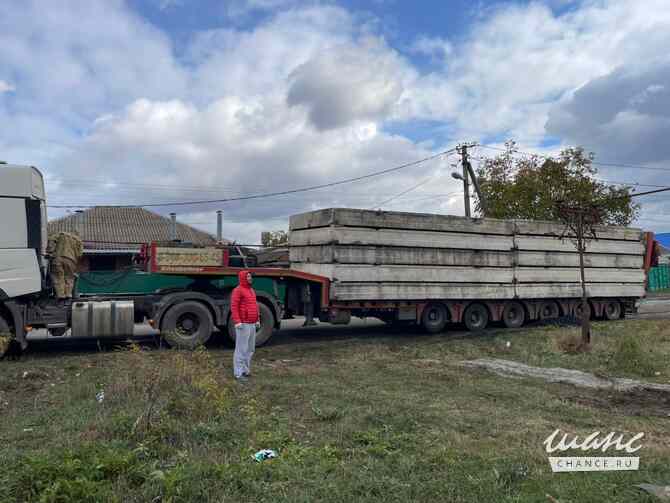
(27, 301)
(23, 237)
(26, 296)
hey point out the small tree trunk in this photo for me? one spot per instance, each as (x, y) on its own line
(586, 312)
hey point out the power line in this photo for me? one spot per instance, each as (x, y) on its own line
(649, 192)
(268, 194)
(593, 162)
(597, 163)
(117, 187)
(637, 184)
(414, 187)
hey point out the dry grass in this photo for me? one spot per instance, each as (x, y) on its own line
(384, 418)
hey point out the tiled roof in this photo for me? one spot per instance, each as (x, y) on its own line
(114, 228)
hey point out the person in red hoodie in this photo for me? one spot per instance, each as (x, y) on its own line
(244, 312)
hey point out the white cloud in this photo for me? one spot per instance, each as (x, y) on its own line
(436, 47)
(360, 81)
(237, 9)
(169, 4)
(6, 87)
(306, 95)
(624, 116)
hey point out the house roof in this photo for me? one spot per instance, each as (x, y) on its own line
(124, 229)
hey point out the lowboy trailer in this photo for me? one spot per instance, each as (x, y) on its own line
(430, 270)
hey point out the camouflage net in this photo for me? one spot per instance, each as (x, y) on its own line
(5, 339)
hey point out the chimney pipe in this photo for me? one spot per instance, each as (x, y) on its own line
(79, 223)
(173, 226)
(219, 226)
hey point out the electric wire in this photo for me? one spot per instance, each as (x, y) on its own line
(597, 163)
(268, 194)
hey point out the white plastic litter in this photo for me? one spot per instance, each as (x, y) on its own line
(100, 396)
(264, 454)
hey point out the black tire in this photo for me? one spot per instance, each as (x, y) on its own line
(549, 310)
(264, 334)
(476, 317)
(514, 315)
(434, 317)
(187, 325)
(612, 310)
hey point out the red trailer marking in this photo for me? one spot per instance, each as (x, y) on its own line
(275, 272)
(650, 243)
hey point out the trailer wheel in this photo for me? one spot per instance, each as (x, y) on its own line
(263, 335)
(514, 315)
(187, 325)
(612, 310)
(434, 317)
(548, 310)
(476, 317)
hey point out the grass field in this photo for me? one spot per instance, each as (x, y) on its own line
(372, 418)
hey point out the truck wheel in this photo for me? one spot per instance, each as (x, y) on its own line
(612, 310)
(476, 317)
(513, 315)
(267, 326)
(187, 325)
(434, 317)
(548, 310)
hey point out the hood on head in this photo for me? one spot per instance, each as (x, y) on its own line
(242, 278)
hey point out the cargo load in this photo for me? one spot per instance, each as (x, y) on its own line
(385, 255)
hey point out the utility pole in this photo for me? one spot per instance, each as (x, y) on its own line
(466, 183)
(469, 174)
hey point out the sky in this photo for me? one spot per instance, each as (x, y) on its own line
(165, 101)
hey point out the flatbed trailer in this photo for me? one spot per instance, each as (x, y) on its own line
(159, 298)
(400, 267)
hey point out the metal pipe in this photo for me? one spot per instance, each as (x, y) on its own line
(79, 223)
(173, 226)
(219, 226)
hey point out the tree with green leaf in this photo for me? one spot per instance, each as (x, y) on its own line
(271, 239)
(515, 185)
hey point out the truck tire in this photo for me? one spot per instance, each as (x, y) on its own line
(549, 310)
(264, 334)
(434, 317)
(514, 315)
(476, 317)
(612, 310)
(187, 325)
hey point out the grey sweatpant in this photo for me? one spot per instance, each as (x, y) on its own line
(245, 343)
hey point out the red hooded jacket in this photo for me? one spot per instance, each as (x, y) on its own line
(243, 305)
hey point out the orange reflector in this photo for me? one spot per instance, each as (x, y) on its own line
(152, 323)
(27, 328)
